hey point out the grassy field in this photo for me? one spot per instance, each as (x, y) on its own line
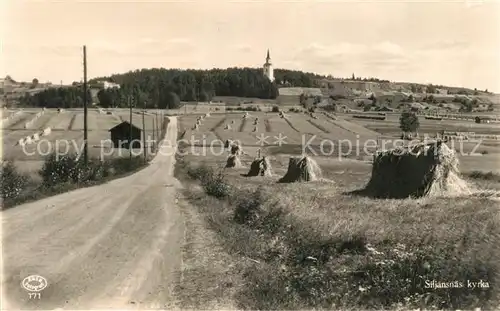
(66, 134)
(317, 245)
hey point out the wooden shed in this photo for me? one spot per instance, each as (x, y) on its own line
(121, 133)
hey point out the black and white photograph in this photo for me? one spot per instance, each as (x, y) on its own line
(250, 155)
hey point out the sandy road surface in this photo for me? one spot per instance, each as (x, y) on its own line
(111, 246)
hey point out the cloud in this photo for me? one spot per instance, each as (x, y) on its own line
(346, 54)
(388, 48)
(446, 45)
(243, 47)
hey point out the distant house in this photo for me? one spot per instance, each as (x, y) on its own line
(385, 108)
(104, 85)
(442, 91)
(120, 135)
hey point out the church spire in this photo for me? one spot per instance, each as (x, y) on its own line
(268, 57)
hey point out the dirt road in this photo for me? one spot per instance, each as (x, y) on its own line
(114, 246)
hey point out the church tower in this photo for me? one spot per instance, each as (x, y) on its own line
(268, 68)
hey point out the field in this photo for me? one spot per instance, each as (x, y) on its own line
(328, 138)
(66, 133)
(316, 244)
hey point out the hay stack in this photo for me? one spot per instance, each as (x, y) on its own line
(228, 143)
(227, 127)
(233, 161)
(196, 126)
(420, 170)
(260, 167)
(254, 129)
(255, 122)
(236, 149)
(301, 169)
(232, 121)
(46, 131)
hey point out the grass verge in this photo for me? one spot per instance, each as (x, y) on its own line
(303, 246)
(62, 175)
(488, 176)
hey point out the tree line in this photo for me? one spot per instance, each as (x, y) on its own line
(62, 97)
(162, 88)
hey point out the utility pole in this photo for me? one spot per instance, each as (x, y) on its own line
(130, 130)
(144, 134)
(157, 128)
(85, 140)
(154, 134)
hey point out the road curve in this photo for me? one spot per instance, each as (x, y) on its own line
(113, 246)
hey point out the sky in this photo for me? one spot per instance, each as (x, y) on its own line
(454, 43)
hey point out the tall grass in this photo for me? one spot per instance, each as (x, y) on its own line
(317, 250)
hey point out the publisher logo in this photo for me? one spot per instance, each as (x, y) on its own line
(34, 283)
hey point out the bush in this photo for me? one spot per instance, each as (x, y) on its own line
(201, 173)
(124, 165)
(215, 185)
(58, 169)
(408, 122)
(331, 107)
(275, 109)
(71, 169)
(248, 207)
(13, 182)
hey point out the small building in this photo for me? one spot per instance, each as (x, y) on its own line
(121, 133)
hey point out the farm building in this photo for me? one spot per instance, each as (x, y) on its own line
(120, 135)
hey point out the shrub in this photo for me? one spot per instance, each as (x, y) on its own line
(201, 173)
(71, 169)
(275, 109)
(248, 207)
(408, 122)
(13, 182)
(58, 169)
(124, 165)
(331, 107)
(215, 185)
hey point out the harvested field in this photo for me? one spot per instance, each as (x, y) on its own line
(91, 121)
(317, 125)
(18, 122)
(61, 121)
(62, 138)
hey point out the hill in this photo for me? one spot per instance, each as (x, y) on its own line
(153, 86)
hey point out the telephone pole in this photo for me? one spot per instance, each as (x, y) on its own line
(157, 128)
(144, 134)
(85, 141)
(130, 130)
(154, 136)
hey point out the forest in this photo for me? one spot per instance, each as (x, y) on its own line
(154, 88)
